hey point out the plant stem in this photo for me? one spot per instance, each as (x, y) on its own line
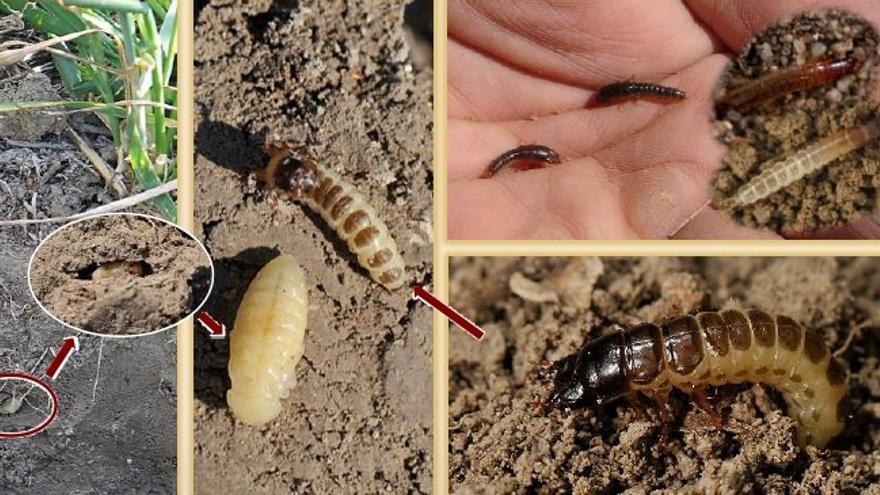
(129, 6)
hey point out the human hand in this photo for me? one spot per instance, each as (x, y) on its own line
(521, 72)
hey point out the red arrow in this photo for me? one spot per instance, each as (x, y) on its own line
(69, 345)
(468, 326)
(215, 329)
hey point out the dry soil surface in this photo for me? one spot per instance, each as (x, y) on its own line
(120, 274)
(116, 427)
(336, 77)
(541, 309)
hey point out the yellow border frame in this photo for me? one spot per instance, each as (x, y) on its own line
(441, 341)
(185, 218)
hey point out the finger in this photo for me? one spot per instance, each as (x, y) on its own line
(576, 200)
(665, 170)
(866, 228)
(473, 145)
(736, 22)
(711, 224)
(582, 132)
(660, 199)
(583, 43)
(539, 204)
(485, 89)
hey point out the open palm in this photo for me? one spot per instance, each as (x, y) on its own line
(521, 72)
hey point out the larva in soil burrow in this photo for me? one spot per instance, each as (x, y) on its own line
(530, 156)
(116, 269)
(621, 92)
(11, 404)
(782, 82)
(805, 162)
(709, 348)
(343, 208)
(267, 341)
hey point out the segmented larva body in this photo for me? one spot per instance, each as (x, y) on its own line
(532, 155)
(805, 162)
(358, 224)
(267, 341)
(620, 92)
(710, 348)
(115, 269)
(344, 209)
(782, 82)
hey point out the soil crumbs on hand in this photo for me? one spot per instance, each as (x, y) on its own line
(758, 137)
(120, 274)
(337, 78)
(534, 311)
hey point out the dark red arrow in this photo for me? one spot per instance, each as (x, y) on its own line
(468, 326)
(69, 345)
(215, 329)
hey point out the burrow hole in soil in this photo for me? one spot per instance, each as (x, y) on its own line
(136, 268)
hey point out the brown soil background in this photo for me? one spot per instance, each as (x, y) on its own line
(339, 78)
(43, 173)
(500, 443)
(842, 191)
(177, 281)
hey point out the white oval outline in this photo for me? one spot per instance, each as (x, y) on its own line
(112, 336)
(47, 421)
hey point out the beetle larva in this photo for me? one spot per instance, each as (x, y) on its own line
(11, 404)
(116, 269)
(621, 92)
(782, 82)
(267, 341)
(530, 153)
(805, 162)
(710, 348)
(343, 208)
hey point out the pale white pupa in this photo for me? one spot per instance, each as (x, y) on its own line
(267, 341)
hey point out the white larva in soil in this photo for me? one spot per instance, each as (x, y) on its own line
(344, 208)
(805, 162)
(267, 341)
(11, 404)
(117, 269)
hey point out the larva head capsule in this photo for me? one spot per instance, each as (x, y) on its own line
(297, 178)
(595, 375)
